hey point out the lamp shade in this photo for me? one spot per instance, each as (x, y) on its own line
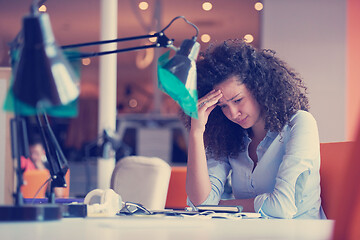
(177, 76)
(43, 77)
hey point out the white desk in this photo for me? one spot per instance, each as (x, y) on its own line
(141, 228)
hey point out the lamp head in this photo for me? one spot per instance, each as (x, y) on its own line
(177, 76)
(43, 77)
(182, 64)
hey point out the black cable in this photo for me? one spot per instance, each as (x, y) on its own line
(38, 191)
(190, 23)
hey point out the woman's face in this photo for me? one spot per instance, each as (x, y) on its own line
(238, 104)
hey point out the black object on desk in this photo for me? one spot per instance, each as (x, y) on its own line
(70, 207)
(74, 210)
(42, 212)
(219, 208)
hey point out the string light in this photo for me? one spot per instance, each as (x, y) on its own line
(143, 5)
(259, 6)
(42, 8)
(207, 6)
(248, 38)
(205, 38)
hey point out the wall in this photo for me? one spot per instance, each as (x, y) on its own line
(353, 69)
(311, 37)
(6, 173)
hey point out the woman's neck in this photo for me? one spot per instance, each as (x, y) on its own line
(258, 132)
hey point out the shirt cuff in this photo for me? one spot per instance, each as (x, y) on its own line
(259, 207)
(258, 203)
(210, 200)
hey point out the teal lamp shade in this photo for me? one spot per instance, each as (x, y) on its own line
(43, 78)
(177, 76)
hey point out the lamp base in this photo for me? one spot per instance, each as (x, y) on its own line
(43, 212)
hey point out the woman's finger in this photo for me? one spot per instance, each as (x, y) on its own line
(210, 102)
(209, 95)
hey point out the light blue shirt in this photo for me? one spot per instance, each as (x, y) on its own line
(286, 181)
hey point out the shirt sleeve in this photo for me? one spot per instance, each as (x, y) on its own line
(218, 172)
(302, 150)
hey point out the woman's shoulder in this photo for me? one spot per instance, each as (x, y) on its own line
(303, 118)
(302, 115)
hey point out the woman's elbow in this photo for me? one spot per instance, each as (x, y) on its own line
(273, 207)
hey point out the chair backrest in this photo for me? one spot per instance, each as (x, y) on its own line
(334, 157)
(34, 179)
(143, 180)
(347, 218)
(176, 196)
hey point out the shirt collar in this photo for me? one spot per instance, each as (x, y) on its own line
(269, 134)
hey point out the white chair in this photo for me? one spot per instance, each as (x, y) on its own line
(143, 180)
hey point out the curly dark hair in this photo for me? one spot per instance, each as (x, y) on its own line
(277, 88)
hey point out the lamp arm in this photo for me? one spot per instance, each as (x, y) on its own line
(95, 54)
(162, 41)
(19, 148)
(58, 164)
(110, 41)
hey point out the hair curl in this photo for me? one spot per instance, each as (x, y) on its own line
(277, 88)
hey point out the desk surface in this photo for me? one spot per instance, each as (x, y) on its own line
(167, 228)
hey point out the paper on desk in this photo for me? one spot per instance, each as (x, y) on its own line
(212, 214)
(250, 215)
(232, 216)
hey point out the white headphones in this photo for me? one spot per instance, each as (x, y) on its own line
(103, 202)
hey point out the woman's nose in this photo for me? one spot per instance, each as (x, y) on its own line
(234, 111)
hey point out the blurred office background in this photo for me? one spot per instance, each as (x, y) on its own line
(317, 38)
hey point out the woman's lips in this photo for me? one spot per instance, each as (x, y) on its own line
(242, 121)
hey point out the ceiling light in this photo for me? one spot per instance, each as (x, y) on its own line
(85, 61)
(143, 5)
(154, 39)
(133, 103)
(42, 8)
(248, 38)
(205, 38)
(259, 6)
(207, 6)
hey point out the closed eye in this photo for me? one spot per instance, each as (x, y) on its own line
(237, 101)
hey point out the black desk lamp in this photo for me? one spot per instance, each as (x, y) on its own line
(43, 79)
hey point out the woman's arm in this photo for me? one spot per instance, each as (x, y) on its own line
(198, 184)
(300, 163)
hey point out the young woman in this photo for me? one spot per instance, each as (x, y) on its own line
(253, 120)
